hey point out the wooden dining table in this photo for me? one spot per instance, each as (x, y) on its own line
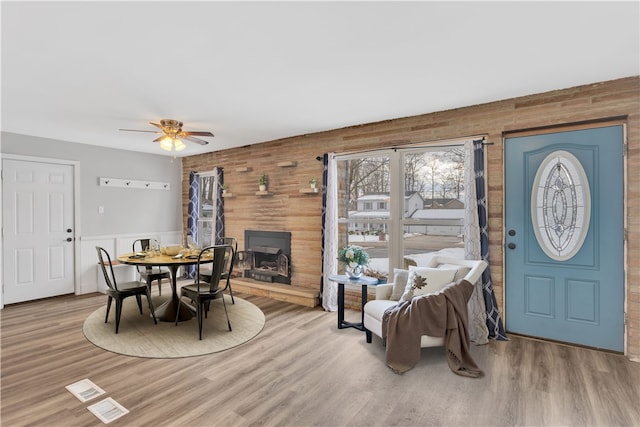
(166, 312)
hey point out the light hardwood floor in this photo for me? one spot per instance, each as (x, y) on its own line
(302, 371)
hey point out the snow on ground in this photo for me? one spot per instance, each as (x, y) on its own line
(423, 248)
(421, 260)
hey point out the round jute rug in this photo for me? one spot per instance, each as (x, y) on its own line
(139, 336)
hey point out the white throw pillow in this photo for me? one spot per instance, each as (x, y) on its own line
(399, 283)
(434, 279)
(462, 270)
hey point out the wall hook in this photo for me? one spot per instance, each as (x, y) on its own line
(134, 184)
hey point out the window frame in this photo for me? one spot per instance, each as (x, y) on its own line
(201, 219)
(395, 223)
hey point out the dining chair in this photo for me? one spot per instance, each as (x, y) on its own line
(150, 273)
(203, 291)
(229, 262)
(120, 291)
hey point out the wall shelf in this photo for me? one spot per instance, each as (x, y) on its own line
(134, 183)
(227, 195)
(310, 190)
(264, 193)
(287, 164)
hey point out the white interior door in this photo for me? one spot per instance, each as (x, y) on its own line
(38, 235)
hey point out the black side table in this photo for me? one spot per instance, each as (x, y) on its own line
(363, 281)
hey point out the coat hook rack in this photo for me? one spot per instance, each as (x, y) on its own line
(132, 183)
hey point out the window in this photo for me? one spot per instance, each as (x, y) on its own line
(206, 208)
(418, 195)
(560, 205)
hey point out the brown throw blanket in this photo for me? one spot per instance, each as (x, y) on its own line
(442, 314)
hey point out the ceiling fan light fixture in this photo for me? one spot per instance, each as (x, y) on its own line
(173, 135)
(166, 143)
(179, 145)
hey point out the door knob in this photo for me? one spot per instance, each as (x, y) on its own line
(69, 239)
(69, 230)
(512, 232)
(511, 245)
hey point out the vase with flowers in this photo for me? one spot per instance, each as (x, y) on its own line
(354, 259)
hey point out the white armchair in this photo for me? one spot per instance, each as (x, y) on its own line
(374, 310)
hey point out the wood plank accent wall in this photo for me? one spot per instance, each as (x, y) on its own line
(289, 210)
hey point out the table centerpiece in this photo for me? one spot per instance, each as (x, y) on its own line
(354, 259)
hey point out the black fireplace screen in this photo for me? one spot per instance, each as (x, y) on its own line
(266, 256)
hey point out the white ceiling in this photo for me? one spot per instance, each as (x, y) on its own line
(257, 71)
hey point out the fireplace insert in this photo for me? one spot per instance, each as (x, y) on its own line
(266, 256)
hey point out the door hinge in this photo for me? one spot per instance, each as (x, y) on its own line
(625, 149)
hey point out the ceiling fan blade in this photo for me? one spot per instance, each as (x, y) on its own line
(187, 133)
(138, 130)
(158, 139)
(157, 125)
(193, 139)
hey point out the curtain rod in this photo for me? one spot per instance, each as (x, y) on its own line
(432, 144)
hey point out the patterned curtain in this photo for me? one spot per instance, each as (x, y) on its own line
(477, 312)
(325, 161)
(494, 321)
(192, 217)
(219, 225)
(329, 289)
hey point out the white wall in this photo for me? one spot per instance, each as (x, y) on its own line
(128, 213)
(126, 210)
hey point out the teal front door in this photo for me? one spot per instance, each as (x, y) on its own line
(564, 272)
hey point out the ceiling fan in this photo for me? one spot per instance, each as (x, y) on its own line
(173, 135)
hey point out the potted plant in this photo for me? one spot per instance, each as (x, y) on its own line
(225, 187)
(262, 183)
(312, 182)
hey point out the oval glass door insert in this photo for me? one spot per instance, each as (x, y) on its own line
(560, 205)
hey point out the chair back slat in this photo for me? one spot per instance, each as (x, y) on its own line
(144, 245)
(110, 279)
(231, 241)
(220, 255)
